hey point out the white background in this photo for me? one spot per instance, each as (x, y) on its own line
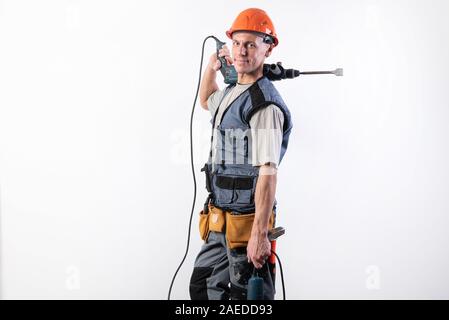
(95, 180)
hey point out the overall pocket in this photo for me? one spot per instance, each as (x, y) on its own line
(238, 189)
(224, 188)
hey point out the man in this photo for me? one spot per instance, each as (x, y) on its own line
(251, 126)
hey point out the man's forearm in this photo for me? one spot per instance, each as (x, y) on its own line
(264, 198)
(208, 85)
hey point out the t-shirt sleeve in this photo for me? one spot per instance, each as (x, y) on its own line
(214, 100)
(267, 134)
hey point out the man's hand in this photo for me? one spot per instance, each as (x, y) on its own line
(208, 83)
(215, 64)
(258, 249)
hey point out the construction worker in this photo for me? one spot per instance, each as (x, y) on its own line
(251, 127)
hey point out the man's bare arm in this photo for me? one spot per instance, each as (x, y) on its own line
(259, 246)
(208, 84)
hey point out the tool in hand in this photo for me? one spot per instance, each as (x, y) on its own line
(255, 283)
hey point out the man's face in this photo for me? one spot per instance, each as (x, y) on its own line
(248, 51)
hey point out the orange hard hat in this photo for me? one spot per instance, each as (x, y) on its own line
(254, 20)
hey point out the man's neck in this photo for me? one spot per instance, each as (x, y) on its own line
(247, 78)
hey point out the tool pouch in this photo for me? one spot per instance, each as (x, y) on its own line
(204, 225)
(238, 228)
(213, 220)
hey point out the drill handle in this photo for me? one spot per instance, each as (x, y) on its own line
(219, 46)
(228, 72)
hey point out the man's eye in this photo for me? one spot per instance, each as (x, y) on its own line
(251, 45)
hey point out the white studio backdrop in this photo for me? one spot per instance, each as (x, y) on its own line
(95, 180)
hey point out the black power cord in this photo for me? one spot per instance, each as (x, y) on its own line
(282, 274)
(194, 181)
(193, 169)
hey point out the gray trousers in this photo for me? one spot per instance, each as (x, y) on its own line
(221, 273)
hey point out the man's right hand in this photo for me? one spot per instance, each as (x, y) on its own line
(215, 64)
(208, 83)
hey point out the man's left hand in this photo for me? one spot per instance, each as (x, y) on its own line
(258, 249)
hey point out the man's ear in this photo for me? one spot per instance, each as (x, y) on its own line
(268, 53)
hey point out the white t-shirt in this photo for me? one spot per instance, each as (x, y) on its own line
(266, 127)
